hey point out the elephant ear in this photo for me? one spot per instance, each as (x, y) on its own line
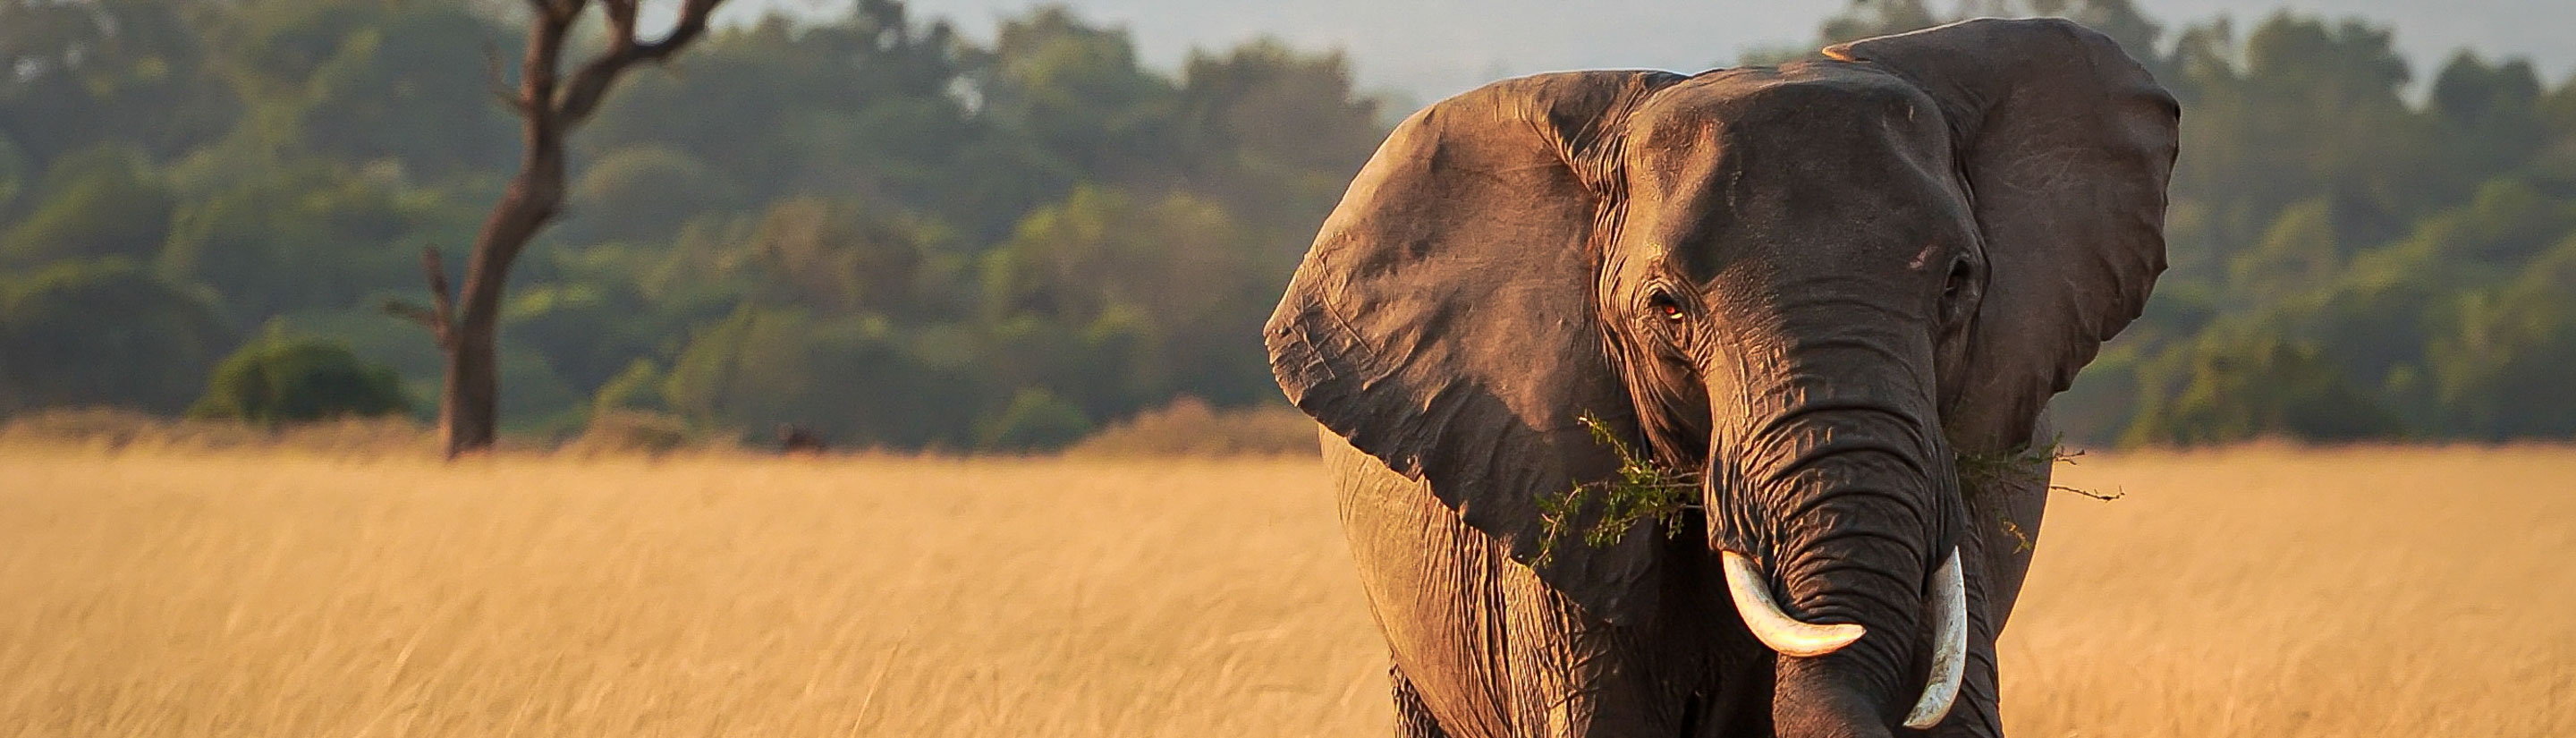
(2066, 145)
(1444, 320)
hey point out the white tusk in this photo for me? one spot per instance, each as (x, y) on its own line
(1787, 635)
(1949, 645)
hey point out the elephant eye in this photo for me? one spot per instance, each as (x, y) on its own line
(1665, 307)
(1959, 274)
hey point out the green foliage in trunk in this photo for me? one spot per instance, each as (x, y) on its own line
(1642, 490)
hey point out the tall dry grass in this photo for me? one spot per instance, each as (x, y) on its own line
(2281, 592)
(276, 593)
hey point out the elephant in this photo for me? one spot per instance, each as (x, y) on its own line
(1819, 290)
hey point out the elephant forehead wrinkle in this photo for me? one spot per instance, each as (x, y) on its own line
(1781, 222)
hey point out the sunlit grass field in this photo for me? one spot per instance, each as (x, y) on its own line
(2251, 592)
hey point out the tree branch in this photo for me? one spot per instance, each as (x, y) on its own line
(440, 316)
(407, 310)
(500, 86)
(588, 86)
(440, 298)
(537, 74)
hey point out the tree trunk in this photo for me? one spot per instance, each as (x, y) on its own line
(469, 401)
(469, 406)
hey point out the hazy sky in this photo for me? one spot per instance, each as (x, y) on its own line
(1430, 48)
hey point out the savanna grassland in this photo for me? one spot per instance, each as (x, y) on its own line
(2249, 592)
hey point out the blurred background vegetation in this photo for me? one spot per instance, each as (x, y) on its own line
(872, 227)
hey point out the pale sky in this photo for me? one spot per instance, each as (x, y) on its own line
(1431, 48)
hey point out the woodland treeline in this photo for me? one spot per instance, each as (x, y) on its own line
(893, 235)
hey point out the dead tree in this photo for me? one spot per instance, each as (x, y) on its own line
(549, 107)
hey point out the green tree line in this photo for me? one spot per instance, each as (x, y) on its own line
(2356, 252)
(871, 226)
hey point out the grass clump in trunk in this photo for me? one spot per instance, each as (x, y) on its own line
(1642, 489)
(2030, 464)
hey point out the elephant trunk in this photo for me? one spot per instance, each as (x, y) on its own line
(1833, 520)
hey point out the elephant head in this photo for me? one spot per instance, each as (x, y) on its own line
(1817, 283)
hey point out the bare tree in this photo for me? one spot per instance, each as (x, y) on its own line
(549, 108)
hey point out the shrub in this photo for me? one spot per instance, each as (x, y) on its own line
(102, 202)
(1189, 427)
(1036, 419)
(629, 432)
(286, 381)
(2230, 391)
(636, 388)
(104, 332)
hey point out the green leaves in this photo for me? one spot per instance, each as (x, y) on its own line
(104, 332)
(1642, 490)
(1645, 490)
(294, 380)
(2240, 388)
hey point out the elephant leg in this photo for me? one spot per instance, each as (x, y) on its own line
(1412, 719)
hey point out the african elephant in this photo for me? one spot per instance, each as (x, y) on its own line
(1819, 287)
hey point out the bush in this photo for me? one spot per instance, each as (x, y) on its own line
(285, 381)
(643, 193)
(2230, 391)
(99, 203)
(1189, 427)
(304, 237)
(628, 432)
(636, 388)
(2504, 372)
(1036, 419)
(104, 332)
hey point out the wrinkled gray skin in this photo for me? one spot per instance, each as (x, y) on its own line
(1820, 284)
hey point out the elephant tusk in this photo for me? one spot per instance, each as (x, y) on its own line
(1949, 645)
(1787, 635)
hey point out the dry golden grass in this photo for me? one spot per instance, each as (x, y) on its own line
(2280, 592)
(277, 593)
